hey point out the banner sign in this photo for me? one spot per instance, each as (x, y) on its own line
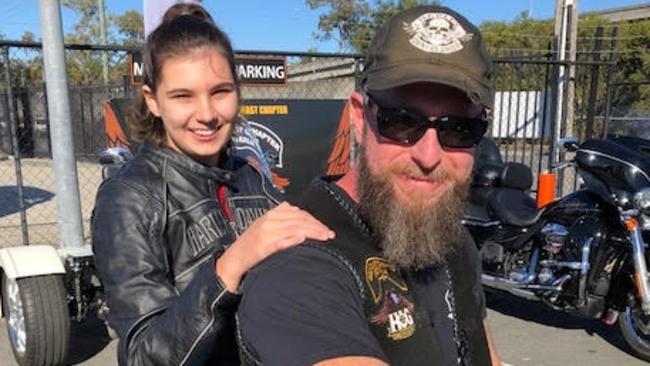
(297, 138)
(252, 70)
(261, 70)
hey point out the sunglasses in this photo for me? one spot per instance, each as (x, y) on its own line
(407, 127)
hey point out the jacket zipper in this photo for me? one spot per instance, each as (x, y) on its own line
(222, 194)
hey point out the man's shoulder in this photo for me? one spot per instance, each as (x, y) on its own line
(311, 259)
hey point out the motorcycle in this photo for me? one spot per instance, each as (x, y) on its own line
(584, 253)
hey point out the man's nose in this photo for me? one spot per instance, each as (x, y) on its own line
(427, 152)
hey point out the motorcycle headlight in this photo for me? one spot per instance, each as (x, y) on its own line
(642, 200)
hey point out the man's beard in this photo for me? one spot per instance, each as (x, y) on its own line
(412, 235)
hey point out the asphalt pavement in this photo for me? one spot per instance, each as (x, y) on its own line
(525, 333)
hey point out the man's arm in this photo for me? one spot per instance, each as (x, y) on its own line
(302, 306)
(494, 358)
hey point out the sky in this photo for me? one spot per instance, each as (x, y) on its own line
(286, 25)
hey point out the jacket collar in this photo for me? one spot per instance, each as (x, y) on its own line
(184, 162)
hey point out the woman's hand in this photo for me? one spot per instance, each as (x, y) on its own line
(282, 227)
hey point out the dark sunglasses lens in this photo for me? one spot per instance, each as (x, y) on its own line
(458, 132)
(400, 125)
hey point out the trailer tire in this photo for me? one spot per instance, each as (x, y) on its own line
(37, 317)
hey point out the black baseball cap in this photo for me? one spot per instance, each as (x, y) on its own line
(430, 44)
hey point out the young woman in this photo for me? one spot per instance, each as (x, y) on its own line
(176, 228)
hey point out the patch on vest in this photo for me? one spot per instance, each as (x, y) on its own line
(437, 33)
(396, 313)
(381, 274)
(387, 287)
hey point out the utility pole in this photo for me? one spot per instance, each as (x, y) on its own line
(566, 29)
(102, 34)
(58, 107)
(572, 16)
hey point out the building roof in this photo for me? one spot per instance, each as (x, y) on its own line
(626, 13)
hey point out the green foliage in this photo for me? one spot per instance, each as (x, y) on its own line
(85, 67)
(353, 23)
(525, 38)
(130, 26)
(86, 29)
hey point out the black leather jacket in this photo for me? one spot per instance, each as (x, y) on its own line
(158, 228)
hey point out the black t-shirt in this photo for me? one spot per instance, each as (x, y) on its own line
(302, 306)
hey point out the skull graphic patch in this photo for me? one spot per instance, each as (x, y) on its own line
(437, 33)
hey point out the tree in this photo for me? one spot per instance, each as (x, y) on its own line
(86, 28)
(529, 38)
(353, 23)
(85, 66)
(130, 26)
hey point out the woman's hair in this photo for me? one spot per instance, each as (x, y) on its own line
(184, 28)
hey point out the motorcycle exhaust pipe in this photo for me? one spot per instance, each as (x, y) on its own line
(521, 289)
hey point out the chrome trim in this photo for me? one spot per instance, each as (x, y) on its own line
(584, 271)
(507, 285)
(617, 159)
(534, 258)
(554, 263)
(479, 223)
(16, 325)
(640, 268)
(115, 155)
(521, 289)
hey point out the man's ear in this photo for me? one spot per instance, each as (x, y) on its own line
(357, 115)
(150, 99)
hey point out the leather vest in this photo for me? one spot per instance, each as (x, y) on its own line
(395, 300)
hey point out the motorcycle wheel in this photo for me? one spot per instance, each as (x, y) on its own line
(635, 327)
(37, 319)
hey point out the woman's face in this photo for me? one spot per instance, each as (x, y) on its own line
(198, 103)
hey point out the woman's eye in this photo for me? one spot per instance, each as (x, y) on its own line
(222, 91)
(180, 96)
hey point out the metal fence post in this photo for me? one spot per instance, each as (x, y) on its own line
(58, 104)
(13, 128)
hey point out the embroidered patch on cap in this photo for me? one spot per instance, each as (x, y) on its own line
(437, 33)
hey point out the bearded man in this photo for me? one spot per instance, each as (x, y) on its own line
(400, 283)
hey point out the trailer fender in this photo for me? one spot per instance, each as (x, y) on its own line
(29, 261)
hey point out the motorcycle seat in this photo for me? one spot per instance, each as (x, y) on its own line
(513, 207)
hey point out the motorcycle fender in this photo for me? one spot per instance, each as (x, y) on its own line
(28, 261)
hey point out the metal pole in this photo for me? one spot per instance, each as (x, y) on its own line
(13, 127)
(102, 34)
(58, 104)
(572, 29)
(559, 116)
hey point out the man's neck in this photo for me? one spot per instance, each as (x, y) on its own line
(348, 183)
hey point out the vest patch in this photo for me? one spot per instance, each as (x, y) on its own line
(380, 275)
(396, 314)
(388, 288)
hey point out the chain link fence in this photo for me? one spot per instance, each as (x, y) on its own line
(28, 211)
(523, 119)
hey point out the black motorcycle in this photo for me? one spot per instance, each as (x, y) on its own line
(584, 253)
